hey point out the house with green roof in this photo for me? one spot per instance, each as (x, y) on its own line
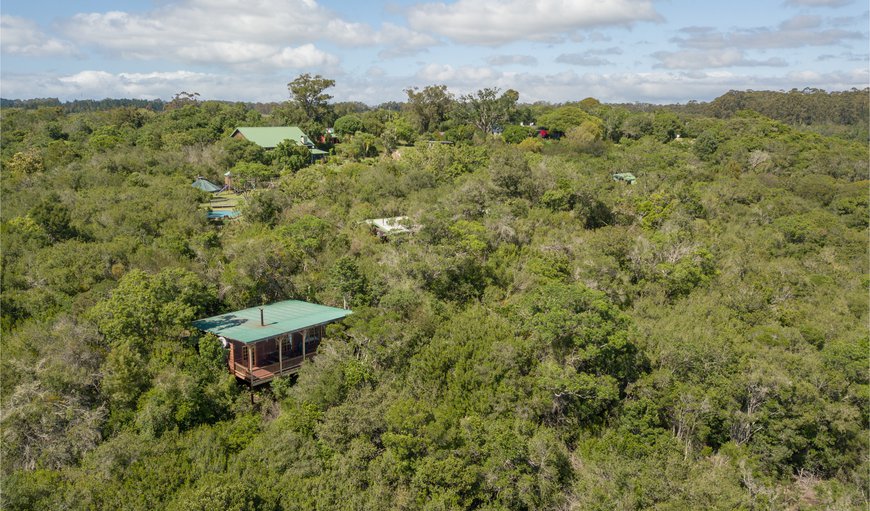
(271, 340)
(270, 137)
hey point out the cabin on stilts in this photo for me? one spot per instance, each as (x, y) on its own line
(271, 340)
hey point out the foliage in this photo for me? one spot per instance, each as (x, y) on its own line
(352, 284)
(348, 125)
(430, 106)
(564, 118)
(145, 306)
(486, 110)
(514, 134)
(307, 92)
(549, 338)
(290, 155)
(53, 217)
(247, 175)
(25, 163)
(361, 145)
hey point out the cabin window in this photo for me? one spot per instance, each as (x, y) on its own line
(286, 345)
(297, 343)
(315, 334)
(247, 352)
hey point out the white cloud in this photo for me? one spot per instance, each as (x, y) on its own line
(801, 22)
(582, 59)
(401, 41)
(655, 87)
(818, 3)
(496, 22)
(506, 60)
(704, 59)
(258, 33)
(156, 85)
(442, 73)
(21, 36)
(303, 56)
(591, 57)
(135, 85)
(846, 56)
(797, 32)
(670, 87)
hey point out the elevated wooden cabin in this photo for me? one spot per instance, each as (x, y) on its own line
(275, 339)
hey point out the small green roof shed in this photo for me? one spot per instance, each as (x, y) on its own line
(628, 177)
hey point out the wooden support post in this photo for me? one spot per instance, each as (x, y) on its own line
(304, 341)
(280, 356)
(251, 367)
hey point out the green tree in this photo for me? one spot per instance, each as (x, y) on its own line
(351, 282)
(514, 134)
(125, 378)
(706, 144)
(54, 217)
(236, 150)
(264, 206)
(511, 173)
(486, 110)
(429, 106)
(144, 307)
(402, 129)
(224, 491)
(591, 355)
(291, 156)
(25, 163)
(307, 92)
(348, 125)
(666, 126)
(638, 125)
(262, 267)
(564, 118)
(361, 145)
(249, 175)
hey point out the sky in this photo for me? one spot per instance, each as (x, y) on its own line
(548, 50)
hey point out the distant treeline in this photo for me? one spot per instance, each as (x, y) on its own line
(800, 107)
(84, 105)
(808, 106)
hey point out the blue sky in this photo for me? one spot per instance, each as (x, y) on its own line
(548, 50)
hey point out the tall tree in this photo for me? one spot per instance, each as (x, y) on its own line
(486, 109)
(307, 92)
(429, 106)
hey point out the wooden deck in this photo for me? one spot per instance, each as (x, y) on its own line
(266, 373)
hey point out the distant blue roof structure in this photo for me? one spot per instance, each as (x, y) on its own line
(226, 213)
(206, 185)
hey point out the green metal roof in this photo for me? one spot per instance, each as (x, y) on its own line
(270, 137)
(624, 176)
(279, 318)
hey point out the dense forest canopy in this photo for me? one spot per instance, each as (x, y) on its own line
(549, 338)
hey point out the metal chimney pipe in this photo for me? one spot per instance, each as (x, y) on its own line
(262, 323)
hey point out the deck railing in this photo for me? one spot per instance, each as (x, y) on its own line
(264, 373)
